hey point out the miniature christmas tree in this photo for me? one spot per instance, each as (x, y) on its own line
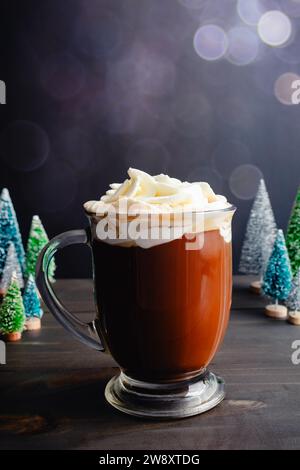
(293, 301)
(260, 236)
(277, 280)
(32, 305)
(11, 265)
(38, 238)
(9, 230)
(12, 312)
(293, 235)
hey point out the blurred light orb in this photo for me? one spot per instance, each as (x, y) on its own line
(24, 146)
(244, 181)
(228, 155)
(283, 87)
(62, 76)
(192, 4)
(249, 11)
(274, 28)
(243, 46)
(210, 42)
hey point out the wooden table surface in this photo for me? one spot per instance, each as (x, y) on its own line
(52, 388)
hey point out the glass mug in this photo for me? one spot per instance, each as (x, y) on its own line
(162, 313)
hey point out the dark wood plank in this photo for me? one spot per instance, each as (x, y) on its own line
(52, 388)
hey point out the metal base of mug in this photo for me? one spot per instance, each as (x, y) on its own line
(165, 401)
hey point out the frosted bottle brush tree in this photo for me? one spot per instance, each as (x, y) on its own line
(12, 313)
(260, 236)
(37, 239)
(9, 231)
(293, 301)
(293, 235)
(12, 266)
(32, 305)
(277, 280)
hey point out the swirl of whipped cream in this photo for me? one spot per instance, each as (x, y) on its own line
(159, 193)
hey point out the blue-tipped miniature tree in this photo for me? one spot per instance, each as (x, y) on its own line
(32, 305)
(11, 266)
(277, 280)
(9, 231)
(260, 235)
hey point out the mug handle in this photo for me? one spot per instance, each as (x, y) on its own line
(85, 332)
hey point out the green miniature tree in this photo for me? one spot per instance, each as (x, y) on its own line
(277, 280)
(12, 312)
(293, 235)
(38, 238)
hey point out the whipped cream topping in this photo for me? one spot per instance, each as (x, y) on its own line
(158, 193)
(149, 210)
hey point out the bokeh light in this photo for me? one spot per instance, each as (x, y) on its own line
(244, 181)
(274, 28)
(148, 155)
(283, 87)
(24, 146)
(243, 46)
(249, 11)
(210, 42)
(62, 76)
(228, 155)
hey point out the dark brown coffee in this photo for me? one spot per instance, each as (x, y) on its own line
(164, 310)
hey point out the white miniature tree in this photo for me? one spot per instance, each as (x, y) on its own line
(11, 266)
(260, 236)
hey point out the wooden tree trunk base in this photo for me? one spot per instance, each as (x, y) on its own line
(276, 311)
(33, 324)
(255, 287)
(10, 337)
(294, 317)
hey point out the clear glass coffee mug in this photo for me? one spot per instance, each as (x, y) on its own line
(162, 313)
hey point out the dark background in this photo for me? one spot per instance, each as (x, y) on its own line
(96, 86)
